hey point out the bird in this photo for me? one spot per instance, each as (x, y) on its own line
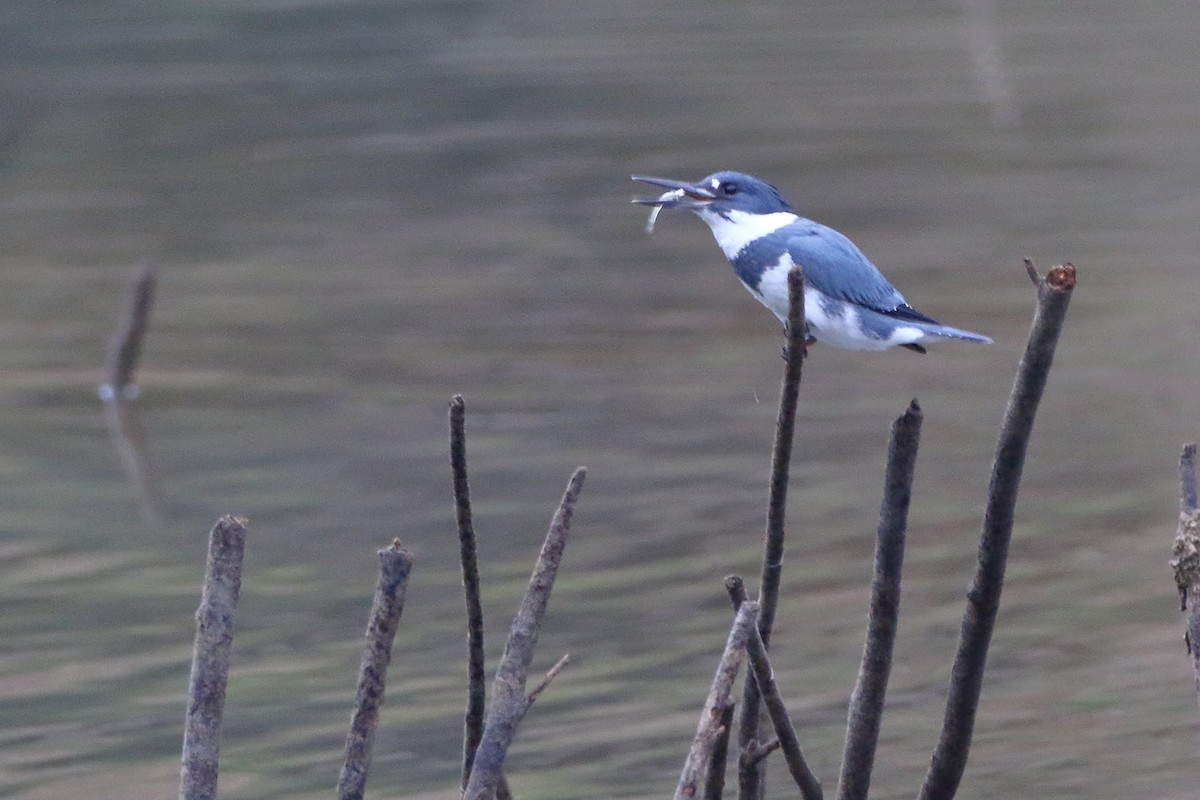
(847, 301)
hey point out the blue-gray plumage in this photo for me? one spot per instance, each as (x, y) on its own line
(848, 302)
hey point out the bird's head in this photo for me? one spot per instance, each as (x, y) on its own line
(719, 194)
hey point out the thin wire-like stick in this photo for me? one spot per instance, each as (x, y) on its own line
(476, 676)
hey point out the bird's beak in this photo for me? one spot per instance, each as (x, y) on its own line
(681, 194)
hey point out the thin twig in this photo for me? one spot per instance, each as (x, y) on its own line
(866, 703)
(810, 787)
(395, 564)
(695, 765)
(750, 779)
(549, 677)
(509, 702)
(714, 781)
(476, 677)
(126, 344)
(949, 757)
(210, 659)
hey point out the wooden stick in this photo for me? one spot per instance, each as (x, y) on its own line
(395, 564)
(210, 659)
(866, 703)
(509, 701)
(760, 665)
(949, 758)
(476, 676)
(695, 766)
(750, 777)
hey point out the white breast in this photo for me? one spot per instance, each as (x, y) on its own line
(741, 228)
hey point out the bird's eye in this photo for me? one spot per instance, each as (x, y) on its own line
(729, 188)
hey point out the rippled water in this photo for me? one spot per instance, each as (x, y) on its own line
(360, 209)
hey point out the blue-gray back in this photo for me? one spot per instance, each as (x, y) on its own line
(834, 266)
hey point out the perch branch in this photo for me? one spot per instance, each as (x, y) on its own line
(866, 703)
(509, 702)
(210, 659)
(695, 766)
(395, 564)
(750, 778)
(476, 677)
(949, 757)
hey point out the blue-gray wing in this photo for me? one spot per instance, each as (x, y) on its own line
(834, 266)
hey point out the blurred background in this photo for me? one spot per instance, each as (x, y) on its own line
(359, 209)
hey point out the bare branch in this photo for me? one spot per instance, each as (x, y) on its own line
(395, 564)
(750, 778)
(810, 787)
(476, 677)
(695, 766)
(509, 702)
(210, 659)
(983, 598)
(866, 703)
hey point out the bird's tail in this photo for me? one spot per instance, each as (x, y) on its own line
(955, 333)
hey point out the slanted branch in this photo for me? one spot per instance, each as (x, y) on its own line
(509, 702)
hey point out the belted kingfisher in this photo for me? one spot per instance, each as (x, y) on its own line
(847, 301)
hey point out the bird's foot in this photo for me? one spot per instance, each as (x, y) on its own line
(809, 339)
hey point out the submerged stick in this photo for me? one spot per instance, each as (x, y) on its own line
(866, 703)
(949, 757)
(395, 564)
(210, 659)
(125, 347)
(695, 765)
(509, 701)
(750, 775)
(476, 677)
(124, 428)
